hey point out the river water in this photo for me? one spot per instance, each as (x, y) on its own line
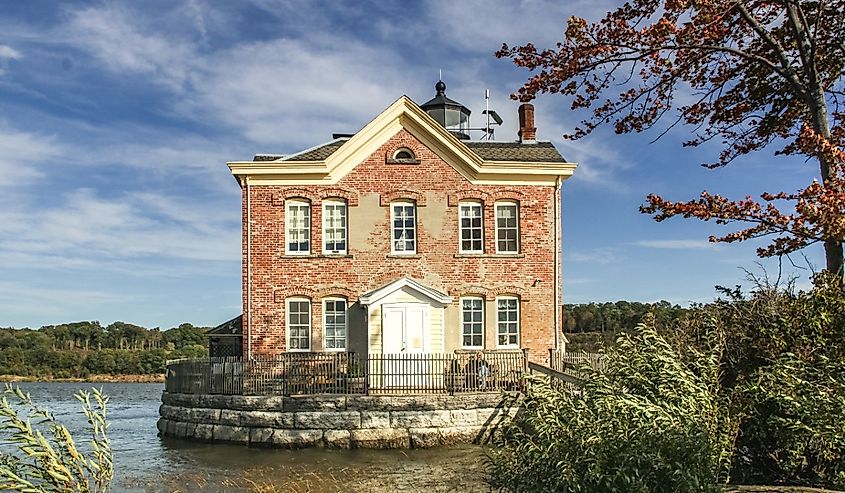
(145, 462)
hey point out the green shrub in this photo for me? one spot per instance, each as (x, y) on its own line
(783, 369)
(795, 433)
(50, 461)
(651, 422)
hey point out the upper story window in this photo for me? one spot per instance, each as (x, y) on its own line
(404, 228)
(298, 227)
(299, 324)
(334, 226)
(472, 323)
(334, 323)
(507, 227)
(471, 227)
(507, 321)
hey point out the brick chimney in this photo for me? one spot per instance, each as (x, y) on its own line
(527, 130)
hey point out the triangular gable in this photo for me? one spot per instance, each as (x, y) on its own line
(378, 294)
(402, 114)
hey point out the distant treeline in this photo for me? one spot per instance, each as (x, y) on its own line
(587, 326)
(79, 349)
(613, 317)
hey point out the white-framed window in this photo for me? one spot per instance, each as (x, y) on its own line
(298, 227)
(507, 321)
(299, 324)
(507, 227)
(472, 323)
(334, 324)
(334, 226)
(403, 217)
(470, 215)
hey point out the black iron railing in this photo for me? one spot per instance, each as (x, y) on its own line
(349, 373)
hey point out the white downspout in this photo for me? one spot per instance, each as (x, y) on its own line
(248, 271)
(557, 269)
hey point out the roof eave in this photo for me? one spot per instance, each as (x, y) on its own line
(402, 113)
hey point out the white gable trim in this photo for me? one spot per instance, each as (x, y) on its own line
(373, 297)
(403, 113)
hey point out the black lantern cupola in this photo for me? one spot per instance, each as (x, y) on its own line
(451, 114)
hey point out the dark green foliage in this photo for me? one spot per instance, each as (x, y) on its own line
(185, 335)
(750, 389)
(784, 370)
(78, 349)
(796, 432)
(650, 423)
(618, 316)
(591, 326)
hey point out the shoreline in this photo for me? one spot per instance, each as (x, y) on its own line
(155, 378)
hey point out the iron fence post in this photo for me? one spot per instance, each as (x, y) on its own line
(367, 373)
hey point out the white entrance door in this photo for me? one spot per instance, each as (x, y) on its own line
(404, 337)
(404, 328)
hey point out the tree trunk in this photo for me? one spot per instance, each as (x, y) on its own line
(833, 256)
(821, 125)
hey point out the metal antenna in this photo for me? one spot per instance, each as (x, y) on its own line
(487, 112)
(493, 118)
(440, 74)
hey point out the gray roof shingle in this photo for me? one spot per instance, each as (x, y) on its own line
(539, 152)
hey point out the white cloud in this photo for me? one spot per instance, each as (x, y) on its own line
(281, 90)
(51, 302)
(24, 154)
(677, 244)
(9, 53)
(113, 35)
(483, 25)
(294, 91)
(143, 227)
(605, 255)
(201, 161)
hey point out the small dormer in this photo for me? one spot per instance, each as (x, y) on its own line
(449, 113)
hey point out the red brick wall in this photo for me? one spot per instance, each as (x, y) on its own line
(437, 185)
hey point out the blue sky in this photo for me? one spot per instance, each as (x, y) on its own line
(117, 118)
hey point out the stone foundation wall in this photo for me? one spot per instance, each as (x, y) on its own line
(353, 421)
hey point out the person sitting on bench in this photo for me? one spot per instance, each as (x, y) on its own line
(477, 371)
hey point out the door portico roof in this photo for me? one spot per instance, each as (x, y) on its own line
(405, 282)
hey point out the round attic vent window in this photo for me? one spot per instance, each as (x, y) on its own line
(403, 154)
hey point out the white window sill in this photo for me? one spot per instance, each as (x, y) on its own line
(316, 255)
(489, 255)
(403, 255)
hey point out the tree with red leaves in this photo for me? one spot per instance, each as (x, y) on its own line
(760, 72)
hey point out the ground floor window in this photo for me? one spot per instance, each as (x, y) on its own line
(507, 325)
(299, 324)
(334, 324)
(472, 316)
